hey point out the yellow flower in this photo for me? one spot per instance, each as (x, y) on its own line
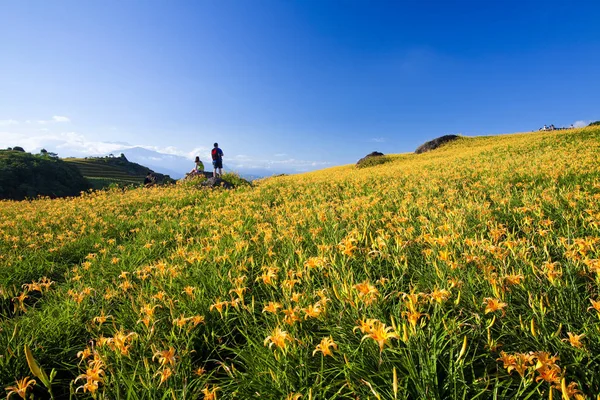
(544, 359)
(189, 290)
(314, 262)
(522, 362)
(160, 296)
(324, 346)
(210, 394)
(367, 292)
(85, 353)
(493, 305)
(413, 317)
(550, 374)
(440, 295)
(278, 338)
(239, 291)
(120, 341)
(290, 315)
(411, 300)
(595, 305)
(575, 340)
(572, 392)
(218, 305)
(295, 297)
(164, 375)
(101, 318)
(312, 311)
(269, 275)
(88, 386)
(92, 376)
(515, 279)
(347, 246)
(180, 322)
(381, 333)
(165, 356)
(508, 360)
(272, 307)
(196, 319)
(20, 388)
(365, 326)
(21, 300)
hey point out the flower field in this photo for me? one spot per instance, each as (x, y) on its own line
(472, 271)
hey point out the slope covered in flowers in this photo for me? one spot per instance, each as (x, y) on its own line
(468, 272)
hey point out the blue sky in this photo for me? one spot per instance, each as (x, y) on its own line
(290, 85)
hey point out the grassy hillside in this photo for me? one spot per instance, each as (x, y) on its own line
(104, 171)
(467, 272)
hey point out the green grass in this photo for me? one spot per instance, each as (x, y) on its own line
(439, 237)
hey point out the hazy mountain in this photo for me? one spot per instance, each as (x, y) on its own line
(169, 164)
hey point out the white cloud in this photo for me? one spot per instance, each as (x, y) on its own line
(377, 140)
(289, 164)
(65, 143)
(73, 144)
(6, 122)
(174, 151)
(580, 123)
(55, 119)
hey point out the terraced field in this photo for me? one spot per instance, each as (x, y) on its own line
(101, 174)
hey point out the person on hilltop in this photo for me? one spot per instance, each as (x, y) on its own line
(199, 168)
(217, 159)
(149, 180)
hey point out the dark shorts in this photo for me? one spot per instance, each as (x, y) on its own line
(218, 163)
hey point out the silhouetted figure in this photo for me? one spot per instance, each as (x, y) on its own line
(150, 179)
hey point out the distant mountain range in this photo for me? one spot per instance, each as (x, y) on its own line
(168, 164)
(176, 166)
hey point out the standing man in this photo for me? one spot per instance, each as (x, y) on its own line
(217, 157)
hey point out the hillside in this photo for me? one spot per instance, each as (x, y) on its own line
(105, 171)
(470, 271)
(24, 175)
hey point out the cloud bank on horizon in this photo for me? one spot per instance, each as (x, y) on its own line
(74, 144)
(34, 135)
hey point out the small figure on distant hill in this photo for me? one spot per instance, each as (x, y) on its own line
(217, 157)
(552, 127)
(545, 128)
(571, 127)
(150, 179)
(199, 168)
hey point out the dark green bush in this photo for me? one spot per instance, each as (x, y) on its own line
(24, 175)
(373, 161)
(234, 179)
